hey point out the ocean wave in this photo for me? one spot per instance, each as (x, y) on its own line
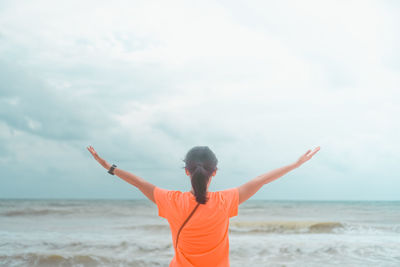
(284, 227)
(50, 260)
(353, 228)
(79, 245)
(35, 259)
(85, 211)
(34, 212)
(148, 227)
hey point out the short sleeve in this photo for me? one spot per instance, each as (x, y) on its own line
(230, 198)
(161, 199)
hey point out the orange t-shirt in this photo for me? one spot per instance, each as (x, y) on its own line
(203, 241)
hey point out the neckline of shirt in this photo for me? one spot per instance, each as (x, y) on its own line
(194, 197)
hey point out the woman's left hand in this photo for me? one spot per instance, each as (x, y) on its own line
(103, 163)
(306, 156)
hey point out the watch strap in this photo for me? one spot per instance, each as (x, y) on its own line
(111, 170)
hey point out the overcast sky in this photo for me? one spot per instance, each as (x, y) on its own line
(259, 82)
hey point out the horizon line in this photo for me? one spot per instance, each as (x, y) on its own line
(330, 200)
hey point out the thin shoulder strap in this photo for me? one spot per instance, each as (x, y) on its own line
(187, 219)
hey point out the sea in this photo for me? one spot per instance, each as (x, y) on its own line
(100, 232)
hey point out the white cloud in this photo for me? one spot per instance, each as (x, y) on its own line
(260, 81)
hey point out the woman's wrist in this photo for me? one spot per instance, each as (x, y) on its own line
(296, 164)
(105, 164)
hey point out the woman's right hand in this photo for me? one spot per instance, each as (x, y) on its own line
(100, 160)
(306, 156)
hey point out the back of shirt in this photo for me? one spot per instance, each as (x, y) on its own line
(204, 240)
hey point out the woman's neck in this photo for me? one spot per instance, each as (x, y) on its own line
(191, 191)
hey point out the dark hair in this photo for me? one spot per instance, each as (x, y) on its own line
(201, 162)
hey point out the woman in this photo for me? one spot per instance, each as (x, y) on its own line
(199, 219)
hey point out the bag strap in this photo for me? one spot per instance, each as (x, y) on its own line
(187, 219)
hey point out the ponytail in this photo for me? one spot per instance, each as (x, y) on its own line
(201, 162)
(199, 181)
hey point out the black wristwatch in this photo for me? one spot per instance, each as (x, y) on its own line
(111, 170)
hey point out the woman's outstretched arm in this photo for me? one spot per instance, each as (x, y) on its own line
(144, 186)
(251, 187)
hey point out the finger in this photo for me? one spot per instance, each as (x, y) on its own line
(315, 151)
(308, 151)
(93, 153)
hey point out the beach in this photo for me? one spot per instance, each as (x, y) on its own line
(49, 232)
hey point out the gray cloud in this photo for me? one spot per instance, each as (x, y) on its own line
(257, 82)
